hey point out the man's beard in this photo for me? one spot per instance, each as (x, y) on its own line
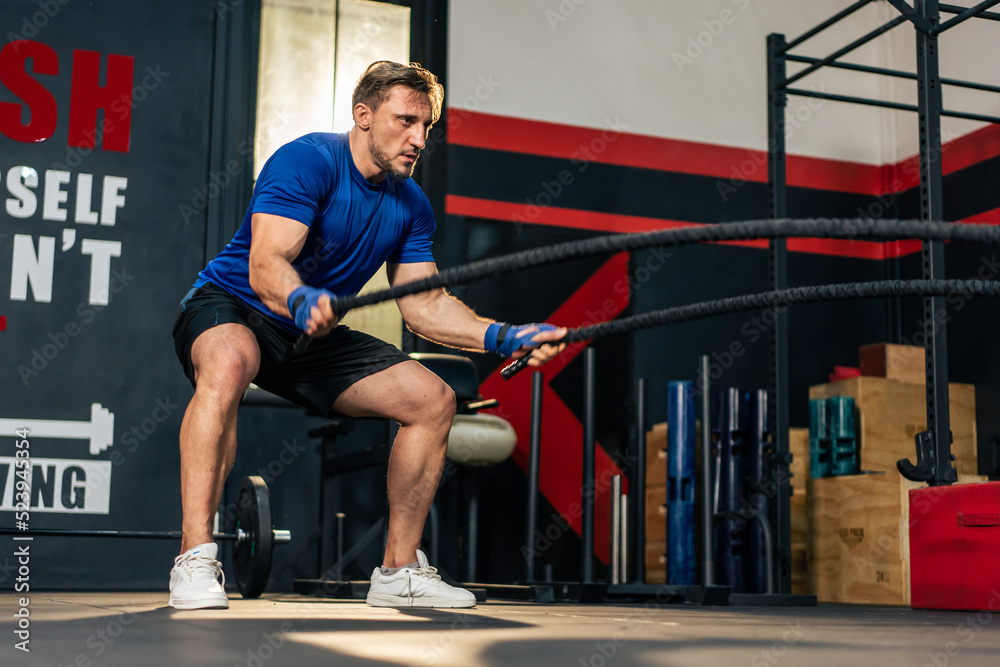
(383, 162)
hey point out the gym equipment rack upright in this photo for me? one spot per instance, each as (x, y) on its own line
(934, 448)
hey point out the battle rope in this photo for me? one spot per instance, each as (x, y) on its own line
(774, 299)
(849, 228)
(785, 297)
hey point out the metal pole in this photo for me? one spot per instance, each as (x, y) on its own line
(899, 74)
(473, 526)
(765, 529)
(777, 100)
(826, 24)
(956, 9)
(969, 13)
(850, 99)
(623, 539)
(637, 489)
(534, 457)
(589, 457)
(337, 573)
(707, 511)
(616, 528)
(932, 208)
(432, 519)
(861, 41)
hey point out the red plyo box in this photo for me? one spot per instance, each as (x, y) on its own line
(955, 547)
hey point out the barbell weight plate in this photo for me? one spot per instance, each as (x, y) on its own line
(252, 556)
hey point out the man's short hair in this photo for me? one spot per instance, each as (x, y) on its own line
(373, 87)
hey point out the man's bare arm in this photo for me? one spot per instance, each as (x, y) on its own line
(436, 314)
(277, 241)
(440, 317)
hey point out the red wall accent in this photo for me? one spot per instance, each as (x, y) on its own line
(609, 222)
(561, 466)
(502, 133)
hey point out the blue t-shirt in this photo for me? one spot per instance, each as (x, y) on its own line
(354, 226)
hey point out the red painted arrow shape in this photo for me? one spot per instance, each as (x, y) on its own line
(602, 297)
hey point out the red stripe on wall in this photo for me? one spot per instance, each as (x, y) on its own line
(555, 217)
(895, 249)
(986, 218)
(612, 223)
(826, 174)
(957, 154)
(616, 146)
(839, 248)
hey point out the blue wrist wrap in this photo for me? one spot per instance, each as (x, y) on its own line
(505, 339)
(301, 302)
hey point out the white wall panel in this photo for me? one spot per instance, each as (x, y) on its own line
(688, 70)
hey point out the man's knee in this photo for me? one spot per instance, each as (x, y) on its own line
(227, 374)
(441, 403)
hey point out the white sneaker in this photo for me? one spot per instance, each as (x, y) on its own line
(419, 586)
(194, 580)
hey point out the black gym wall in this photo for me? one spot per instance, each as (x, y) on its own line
(90, 331)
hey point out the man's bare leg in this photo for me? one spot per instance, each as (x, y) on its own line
(424, 407)
(225, 359)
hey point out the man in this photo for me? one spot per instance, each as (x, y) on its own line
(327, 211)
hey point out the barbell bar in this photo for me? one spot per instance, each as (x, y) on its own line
(277, 536)
(252, 532)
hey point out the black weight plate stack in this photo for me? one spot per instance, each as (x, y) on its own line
(252, 555)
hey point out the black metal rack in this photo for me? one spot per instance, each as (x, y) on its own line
(934, 458)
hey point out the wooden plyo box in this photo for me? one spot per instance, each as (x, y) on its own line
(656, 504)
(656, 455)
(892, 412)
(656, 512)
(656, 561)
(798, 445)
(859, 537)
(856, 550)
(895, 362)
(656, 533)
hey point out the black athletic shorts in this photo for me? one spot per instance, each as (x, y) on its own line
(313, 378)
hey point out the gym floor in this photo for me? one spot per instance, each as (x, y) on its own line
(138, 629)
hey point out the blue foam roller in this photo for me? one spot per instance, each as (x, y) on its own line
(680, 483)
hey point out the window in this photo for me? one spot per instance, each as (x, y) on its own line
(312, 53)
